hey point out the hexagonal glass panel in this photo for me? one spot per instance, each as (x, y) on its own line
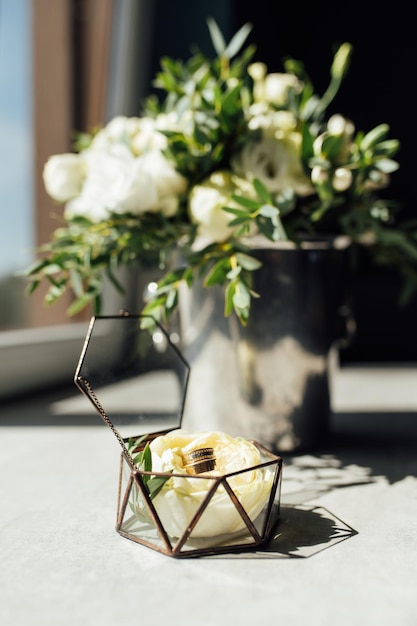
(133, 374)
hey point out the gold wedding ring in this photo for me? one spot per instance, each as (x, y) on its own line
(200, 460)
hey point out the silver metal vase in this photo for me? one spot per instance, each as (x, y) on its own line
(269, 380)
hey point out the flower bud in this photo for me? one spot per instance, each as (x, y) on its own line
(319, 176)
(342, 179)
(341, 61)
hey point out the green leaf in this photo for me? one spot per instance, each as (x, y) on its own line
(246, 202)
(33, 285)
(52, 268)
(241, 297)
(146, 462)
(216, 35)
(386, 165)
(217, 274)
(262, 192)
(80, 304)
(267, 210)
(77, 283)
(35, 267)
(332, 145)
(238, 212)
(172, 299)
(237, 41)
(234, 273)
(248, 262)
(389, 147)
(231, 101)
(228, 299)
(374, 136)
(155, 484)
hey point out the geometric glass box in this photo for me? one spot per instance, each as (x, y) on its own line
(137, 379)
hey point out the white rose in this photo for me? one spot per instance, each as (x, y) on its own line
(180, 498)
(205, 206)
(276, 163)
(115, 181)
(168, 182)
(132, 189)
(63, 176)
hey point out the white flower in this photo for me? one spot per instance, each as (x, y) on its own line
(139, 134)
(276, 163)
(278, 124)
(337, 126)
(342, 179)
(120, 130)
(278, 85)
(117, 182)
(168, 182)
(148, 137)
(319, 175)
(272, 88)
(181, 497)
(205, 206)
(63, 176)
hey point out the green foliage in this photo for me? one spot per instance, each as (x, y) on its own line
(210, 110)
(143, 461)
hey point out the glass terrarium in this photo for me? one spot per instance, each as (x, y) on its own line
(182, 494)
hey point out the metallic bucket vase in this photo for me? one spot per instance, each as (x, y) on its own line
(269, 381)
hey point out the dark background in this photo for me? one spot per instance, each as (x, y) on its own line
(378, 89)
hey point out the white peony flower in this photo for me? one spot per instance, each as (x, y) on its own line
(178, 501)
(63, 176)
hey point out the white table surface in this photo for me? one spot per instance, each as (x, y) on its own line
(347, 552)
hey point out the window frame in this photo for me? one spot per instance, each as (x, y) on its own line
(45, 354)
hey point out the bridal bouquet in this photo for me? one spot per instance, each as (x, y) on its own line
(228, 155)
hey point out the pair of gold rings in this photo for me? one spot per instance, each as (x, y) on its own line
(200, 460)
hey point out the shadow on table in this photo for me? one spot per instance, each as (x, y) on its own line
(302, 532)
(364, 448)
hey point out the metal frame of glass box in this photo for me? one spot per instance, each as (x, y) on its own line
(141, 378)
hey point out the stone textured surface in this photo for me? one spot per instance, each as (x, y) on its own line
(345, 551)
